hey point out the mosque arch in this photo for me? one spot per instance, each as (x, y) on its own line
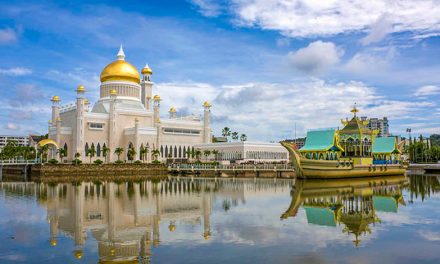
(175, 152)
(86, 148)
(65, 147)
(166, 151)
(98, 150)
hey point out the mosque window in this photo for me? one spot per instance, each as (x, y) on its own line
(182, 131)
(96, 125)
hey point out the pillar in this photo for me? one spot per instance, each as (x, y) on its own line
(146, 87)
(206, 126)
(80, 124)
(112, 126)
(137, 145)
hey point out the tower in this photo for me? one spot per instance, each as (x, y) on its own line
(206, 117)
(79, 133)
(156, 114)
(112, 125)
(55, 107)
(146, 86)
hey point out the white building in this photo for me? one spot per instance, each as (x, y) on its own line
(127, 115)
(246, 151)
(19, 140)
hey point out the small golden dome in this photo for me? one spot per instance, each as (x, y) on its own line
(53, 242)
(156, 97)
(172, 110)
(172, 227)
(207, 104)
(81, 88)
(78, 254)
(86, 102)
(113, 92)
(156, 242)
(58, 119)
(147, 70)
(55, 98)
(206, 236)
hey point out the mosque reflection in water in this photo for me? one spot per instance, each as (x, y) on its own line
(124, 218)
(351, 202)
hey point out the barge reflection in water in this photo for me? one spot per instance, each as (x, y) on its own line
(216, 220)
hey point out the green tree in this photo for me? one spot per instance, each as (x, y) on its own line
(226, 132)
(215, 153)
(206, 152)
(234, 135)
(155, 154)
(143, 152)
(119, 151)
(62, 153)
(105, 153)
(77, 160)
(91, 152)
(243, 137)
(131, 154)
(197, 153)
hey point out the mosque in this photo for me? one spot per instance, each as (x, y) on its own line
(126, 116)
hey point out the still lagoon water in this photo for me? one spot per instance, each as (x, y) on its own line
(184, 220)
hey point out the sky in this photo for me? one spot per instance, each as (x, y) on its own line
(267, 66)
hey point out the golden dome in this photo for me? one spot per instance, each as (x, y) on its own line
(86, 102)
(53, 242)
(156, 97)
(81, 88)
(172, 227)
(207, 104)
(147, 70)
(78, 254)
(172, 110)
(55, 98)
(113, 92)
(120, 70)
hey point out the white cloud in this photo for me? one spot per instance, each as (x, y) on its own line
(430, 235)
(370, 62)
(378, 30)
(209, 8)
(427, 90)
(316, 57)
(12, 126)
(17, 71)
(7, 35)
(256, 109)
(298, 18)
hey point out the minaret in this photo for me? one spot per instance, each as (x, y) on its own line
(206, 127)
(172, 113)
(58, 132)
(206, 209)
(121, 54)
(146, 87)
(79, 133)
(156, 114)
(55, 107)
(136, 138)
(112, 125)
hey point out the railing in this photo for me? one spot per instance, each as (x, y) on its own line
(236, 167)
(18, 162)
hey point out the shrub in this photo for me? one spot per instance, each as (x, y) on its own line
(76, 161)
(155, 162)
(137, 162)
(98, 162)
(52, 161)
(119, 162)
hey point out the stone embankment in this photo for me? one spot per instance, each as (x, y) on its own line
(93, 171)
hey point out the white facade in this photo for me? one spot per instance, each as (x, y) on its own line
(245, 151)
(126, 115)
(19, 140)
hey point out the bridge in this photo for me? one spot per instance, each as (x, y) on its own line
(234, 169)
(427, 167)
(24, 164)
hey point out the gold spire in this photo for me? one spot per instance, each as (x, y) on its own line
(80, 88)
(156, 97)
(354, 110)
(147, 70)
(55, 98)
(206, 104)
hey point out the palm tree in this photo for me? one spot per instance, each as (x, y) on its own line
(197, 153)
(215, 152)
(77, 155)
(91, 153)
(206, 152)
(105, 152)
(235, 135)
(155, 153)
(119, 151)
(142, 152)
(62, 153)
(131, 153)
(226, 132)
(243, 137)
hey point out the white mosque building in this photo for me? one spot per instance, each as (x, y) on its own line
(126, 115)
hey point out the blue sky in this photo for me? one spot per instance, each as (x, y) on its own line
(264, 65)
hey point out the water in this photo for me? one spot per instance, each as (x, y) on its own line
(377, 220)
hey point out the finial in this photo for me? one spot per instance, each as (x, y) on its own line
(146, 70)
(206, 104)
(121, 54)
(354, 110)
(80, 89)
